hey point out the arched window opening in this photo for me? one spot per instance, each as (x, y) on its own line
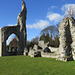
(12, 44)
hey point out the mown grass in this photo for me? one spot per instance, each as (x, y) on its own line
(24, 65)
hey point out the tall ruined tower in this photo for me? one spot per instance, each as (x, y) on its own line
(21, 22)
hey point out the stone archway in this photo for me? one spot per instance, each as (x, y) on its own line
(19, 31)
(5, 32)
(12, 45)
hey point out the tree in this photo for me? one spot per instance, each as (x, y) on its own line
(51, 34)
(42, 37)
(35, 39)
(14, 43)
(51, 41)
(56, 41)
(52, 30)
(70, 11)
(32, 42)
(47, 39)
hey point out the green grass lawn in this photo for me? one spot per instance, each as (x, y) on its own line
(24, 65)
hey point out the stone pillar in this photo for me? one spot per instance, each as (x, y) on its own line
(2, 43)
(72, 29)
(21, 43)
(21, 21)
(65, 40)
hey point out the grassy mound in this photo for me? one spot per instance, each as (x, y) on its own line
(24, 65)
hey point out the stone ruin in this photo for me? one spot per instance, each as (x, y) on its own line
(67, 39)
(66, 50)
(19, 30)
(42, 50)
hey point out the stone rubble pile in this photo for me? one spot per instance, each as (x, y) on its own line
(42, 50)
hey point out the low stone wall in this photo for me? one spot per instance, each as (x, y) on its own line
(53, 49)
(31, 53)
(34, 53)
(49, 55)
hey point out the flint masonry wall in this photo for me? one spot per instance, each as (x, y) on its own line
(72, 29)
(67, 38)
(5, 32)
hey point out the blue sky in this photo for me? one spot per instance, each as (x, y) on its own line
(40, 13)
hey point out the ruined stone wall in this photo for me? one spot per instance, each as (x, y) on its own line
(5, 32)
(66, 32)
(72, 29)
(54, 49)
(19, 31)
(49, 55)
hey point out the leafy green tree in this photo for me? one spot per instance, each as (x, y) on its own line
(42, 37)
(51, 34)
(14, 43)
(56, 41)
(52, 30)
(47, 39)
(35, 40)
(32, 42)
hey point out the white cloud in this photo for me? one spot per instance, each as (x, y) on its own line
(52, 7)
(55, 17)
(39, 25)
